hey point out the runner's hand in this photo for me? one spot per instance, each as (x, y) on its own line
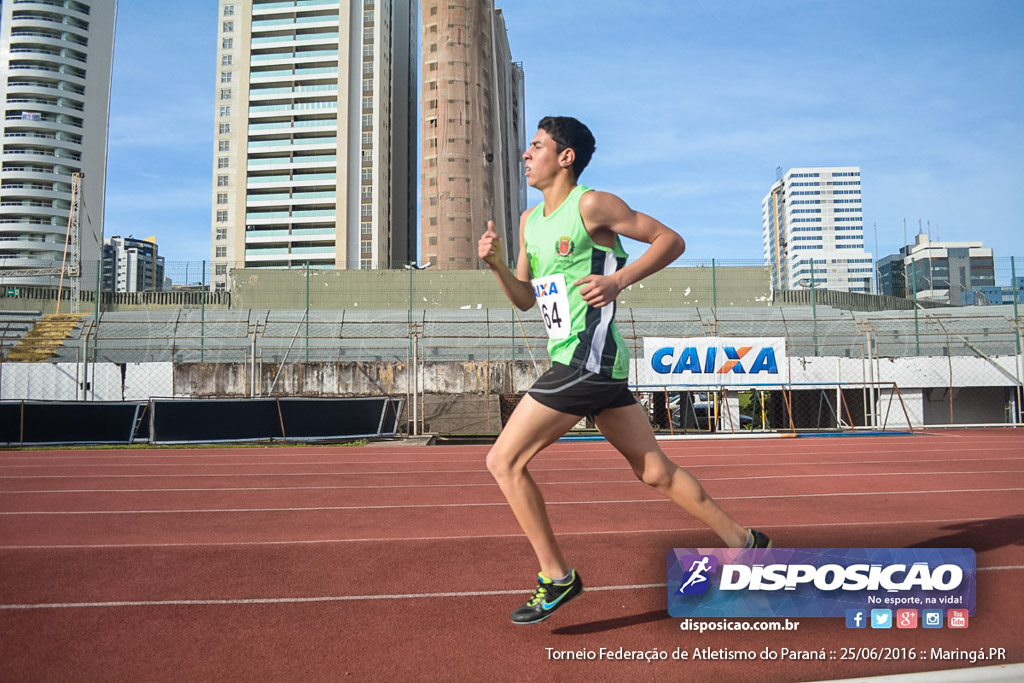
(598, 290)
(489, 246)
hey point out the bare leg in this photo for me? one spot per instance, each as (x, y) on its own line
(628, 429)
(530, 429)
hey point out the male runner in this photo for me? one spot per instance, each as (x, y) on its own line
(572, 263)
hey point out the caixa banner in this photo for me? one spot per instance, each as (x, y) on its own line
(721, 361)
(818, 582)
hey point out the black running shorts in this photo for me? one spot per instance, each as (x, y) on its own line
(580, 392)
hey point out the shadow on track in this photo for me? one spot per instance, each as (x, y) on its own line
(981, 535)
(612, 624)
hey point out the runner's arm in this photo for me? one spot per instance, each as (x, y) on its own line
(516, 285)
(605, 216)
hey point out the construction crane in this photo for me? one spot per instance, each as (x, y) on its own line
(71, 265)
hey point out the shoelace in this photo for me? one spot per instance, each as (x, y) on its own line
(538, 595)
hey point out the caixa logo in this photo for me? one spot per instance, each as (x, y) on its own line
(665, 360)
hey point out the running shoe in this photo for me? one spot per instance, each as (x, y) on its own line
(757, 539)
(548, 597)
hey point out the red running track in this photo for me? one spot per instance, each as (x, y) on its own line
(402, 563)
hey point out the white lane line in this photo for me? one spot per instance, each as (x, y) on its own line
(630, 480)
(561, 448)
(301, 600)
(481, 469)
(330, 508)
(342, 598)
(205, 463)
(471, 537)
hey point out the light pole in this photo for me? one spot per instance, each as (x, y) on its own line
(413, 352)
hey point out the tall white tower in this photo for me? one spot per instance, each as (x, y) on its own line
(55, 69)
(812, 221)
(313, 131)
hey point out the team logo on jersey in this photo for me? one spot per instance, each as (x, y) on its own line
(565, 247)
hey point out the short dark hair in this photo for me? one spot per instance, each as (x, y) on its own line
(569, 133)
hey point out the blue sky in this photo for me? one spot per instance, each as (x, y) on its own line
(693, 104)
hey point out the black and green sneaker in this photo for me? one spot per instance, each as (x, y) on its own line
(757, 539)
(548, 597)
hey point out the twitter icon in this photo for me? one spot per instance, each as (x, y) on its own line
(881, 618)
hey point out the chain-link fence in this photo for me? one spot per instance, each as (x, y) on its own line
(451, 344)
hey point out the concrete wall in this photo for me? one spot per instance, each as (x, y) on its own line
(463, 397)
(478, 289)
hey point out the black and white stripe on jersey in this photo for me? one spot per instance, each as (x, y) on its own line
(596, 350)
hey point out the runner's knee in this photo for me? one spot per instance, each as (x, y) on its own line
(655, 472)
(502, 464)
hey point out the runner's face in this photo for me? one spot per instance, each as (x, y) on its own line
(541, 159)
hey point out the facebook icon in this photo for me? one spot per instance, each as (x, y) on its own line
(856, 618)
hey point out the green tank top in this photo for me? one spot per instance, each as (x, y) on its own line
(561, 252)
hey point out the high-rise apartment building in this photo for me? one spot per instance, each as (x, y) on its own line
(473, 132)
(937, 271)
(812, 223)
(132, 265)
(314, 135)
(55, 69)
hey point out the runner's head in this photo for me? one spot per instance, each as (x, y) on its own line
(569, 133)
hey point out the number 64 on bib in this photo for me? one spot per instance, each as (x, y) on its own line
(553, 299)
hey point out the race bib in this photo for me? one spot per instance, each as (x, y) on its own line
(553, 299)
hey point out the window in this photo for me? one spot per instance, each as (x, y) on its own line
(222, 162)
(223, 145)
(222, 233)
(222, 181)
(225, 60)
(224, 128)
(229, 10)
(227, 43)
(367, 34)
(220, 269)
(225, 93)
(367, 120)
(222, 252)
(367, 103)
(222, 216)
(368, 69)
(225, 110)
(367, 174)
(222, 197)
(228, 27)
(367, 138)
(225, 76)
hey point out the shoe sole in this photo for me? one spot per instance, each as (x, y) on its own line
(550, 613)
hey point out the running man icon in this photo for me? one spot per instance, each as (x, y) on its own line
(697, 571)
